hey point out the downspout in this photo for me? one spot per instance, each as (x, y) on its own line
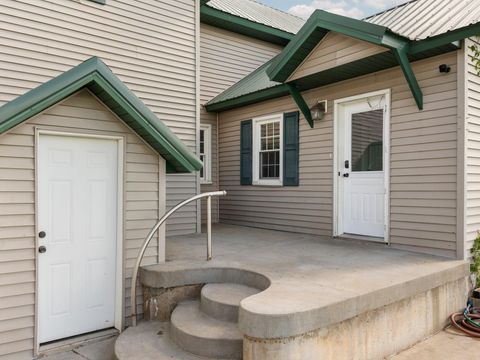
(462, 120)
(197, 107)
(218, 167)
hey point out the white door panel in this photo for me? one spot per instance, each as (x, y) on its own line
(77, 205)
(360, 161)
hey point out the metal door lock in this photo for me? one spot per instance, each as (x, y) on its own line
(42, 249)
(42, 234)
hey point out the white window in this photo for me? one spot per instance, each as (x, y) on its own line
(206, 153)
(268, 150)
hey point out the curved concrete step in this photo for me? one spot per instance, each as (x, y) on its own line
(203, 335)
(222, 301)
(150, 340)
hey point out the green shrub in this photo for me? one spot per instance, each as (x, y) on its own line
(475, 55)
(475, 265)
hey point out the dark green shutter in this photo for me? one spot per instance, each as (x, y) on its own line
(290, 149)
(246, 152)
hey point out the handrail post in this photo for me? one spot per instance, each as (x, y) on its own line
(133, 288)
(209, 228)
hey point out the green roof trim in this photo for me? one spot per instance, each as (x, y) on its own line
(251, 98)
(218, 18)
(99, 79)
(317, 26)
(446, 38)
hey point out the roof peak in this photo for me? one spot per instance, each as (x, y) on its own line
(95, 75)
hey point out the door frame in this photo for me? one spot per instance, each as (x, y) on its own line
(119, 271)
(337, 216)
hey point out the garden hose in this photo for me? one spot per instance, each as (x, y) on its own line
(466, 321)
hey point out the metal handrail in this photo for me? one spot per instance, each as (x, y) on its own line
(141, 253)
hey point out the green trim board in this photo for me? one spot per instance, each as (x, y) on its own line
(315, 29)
(378, 62)
(446, 38)
(401, 54)
(223, 20)
(251, 98)
(301, 103)
(98, 78)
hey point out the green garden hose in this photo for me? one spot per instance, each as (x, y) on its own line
(468, 321)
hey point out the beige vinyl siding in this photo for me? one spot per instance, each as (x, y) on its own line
(423, 162)
(335, 50)
(225, 58)
(472, 216)
(149, 45)
(79, 113)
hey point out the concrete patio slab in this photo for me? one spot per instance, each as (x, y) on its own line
(446, 345)
(311, 281)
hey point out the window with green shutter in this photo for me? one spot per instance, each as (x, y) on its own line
(269, 150)
(290, 149)
(246, 152)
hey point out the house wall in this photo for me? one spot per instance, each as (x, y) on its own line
(143, 175)
(335, 50)
(225, 58)
(149, 45)
(472, 191)
(423, 162)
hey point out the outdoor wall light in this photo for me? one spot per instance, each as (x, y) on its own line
(444, 68)
(318, 110)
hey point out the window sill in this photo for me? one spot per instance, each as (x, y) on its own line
(268, 183)
(206, 182)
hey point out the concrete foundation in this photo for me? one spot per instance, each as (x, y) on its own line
(320, 298)
(371, 335)
(158, 303)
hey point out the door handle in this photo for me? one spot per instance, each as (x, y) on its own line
(42, 234)
(346, 175)
(42, 249)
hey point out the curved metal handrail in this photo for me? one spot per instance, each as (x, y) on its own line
(141, 253)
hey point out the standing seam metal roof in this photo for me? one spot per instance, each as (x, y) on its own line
(421, 19)
(259, 13)
(415, 20)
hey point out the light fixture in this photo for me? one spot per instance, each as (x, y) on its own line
(444, 68)
(318, 110)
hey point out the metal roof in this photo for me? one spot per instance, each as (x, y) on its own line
(259, 13)
(416, 20)
(257, 80)
(421, 19)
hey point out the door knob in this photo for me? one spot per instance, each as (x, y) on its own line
(42, 249)
(346, 175)
(42, 234)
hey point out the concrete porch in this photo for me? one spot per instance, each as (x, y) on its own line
(319, 298)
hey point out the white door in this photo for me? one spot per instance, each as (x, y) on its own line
(361, 168)
(77, 222)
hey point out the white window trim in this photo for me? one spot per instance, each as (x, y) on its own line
(257, 122)
(207, 149)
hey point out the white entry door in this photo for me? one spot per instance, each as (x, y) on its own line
(77, 223)
(361, 168)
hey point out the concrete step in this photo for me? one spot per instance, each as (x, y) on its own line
(150, 340)
(221, 301)
(200, 334)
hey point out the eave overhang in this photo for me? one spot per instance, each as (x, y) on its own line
(237, 24)
(94, 75)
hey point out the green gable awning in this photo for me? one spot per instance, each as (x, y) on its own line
(99, 79)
